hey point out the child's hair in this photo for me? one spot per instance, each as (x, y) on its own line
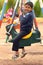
(29, 3)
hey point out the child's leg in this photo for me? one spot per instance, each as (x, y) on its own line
(16, 42)
(23, 52)
(16, 51)
(15, 48)
(23, 49)
(16, 55)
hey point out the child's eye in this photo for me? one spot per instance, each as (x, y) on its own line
(28, 7)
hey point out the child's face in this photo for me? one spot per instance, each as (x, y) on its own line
(27, 8)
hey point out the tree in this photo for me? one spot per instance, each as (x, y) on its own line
(11, 3)
(37, 8)
(42, 0)
(1, 4)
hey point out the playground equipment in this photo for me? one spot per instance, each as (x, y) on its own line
(32, 37)
(13, 16)
(3, 10)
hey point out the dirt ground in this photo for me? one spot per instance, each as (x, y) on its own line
(34, 52)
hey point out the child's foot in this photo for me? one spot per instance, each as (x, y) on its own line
(23, 54)
(15, 57)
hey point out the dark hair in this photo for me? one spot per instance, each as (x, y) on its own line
(29, 3)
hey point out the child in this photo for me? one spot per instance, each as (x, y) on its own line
(9, 12)
(26, 24)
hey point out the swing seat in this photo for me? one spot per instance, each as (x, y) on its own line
(32, 37)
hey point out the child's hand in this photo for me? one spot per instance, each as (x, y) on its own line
(37, 29)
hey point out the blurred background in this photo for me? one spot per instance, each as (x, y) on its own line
(38, 6)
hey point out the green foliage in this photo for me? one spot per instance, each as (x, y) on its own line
(1, 4)
(11, 3)
(37, 8)
(41, 15)
(42, 0)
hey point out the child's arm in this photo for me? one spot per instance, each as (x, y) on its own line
(35, 21)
